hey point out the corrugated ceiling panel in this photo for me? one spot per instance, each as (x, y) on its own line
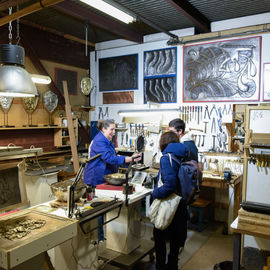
(216, 10)
(158, 12)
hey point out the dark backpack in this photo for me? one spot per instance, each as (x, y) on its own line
(190, 177)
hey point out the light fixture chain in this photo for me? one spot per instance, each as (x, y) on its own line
(18, 28)
(86, 38)
(10, 27)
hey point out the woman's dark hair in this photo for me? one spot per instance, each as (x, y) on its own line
(178, 124)
(104, 124)
(167, 138)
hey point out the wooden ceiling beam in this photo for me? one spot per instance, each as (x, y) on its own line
(6, 4)
(53, 31)
(192, 13)
(28, 10)
(97, 20)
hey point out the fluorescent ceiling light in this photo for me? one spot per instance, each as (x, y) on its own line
(41, 79)
(146, 112)
(110, 10)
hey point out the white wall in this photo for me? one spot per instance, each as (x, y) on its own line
(109, 49)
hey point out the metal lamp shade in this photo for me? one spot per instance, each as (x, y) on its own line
(15, 81)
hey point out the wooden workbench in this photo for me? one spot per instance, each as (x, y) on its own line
(232, 190)
(241, 228)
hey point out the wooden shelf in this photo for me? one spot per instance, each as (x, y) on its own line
(40, 127)
(60, 135)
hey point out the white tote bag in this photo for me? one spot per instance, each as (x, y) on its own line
(162, 211)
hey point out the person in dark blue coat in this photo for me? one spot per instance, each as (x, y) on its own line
(109, 162)
(178, 126)
(176, 233)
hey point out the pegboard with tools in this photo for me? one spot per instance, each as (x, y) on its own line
(206, 124)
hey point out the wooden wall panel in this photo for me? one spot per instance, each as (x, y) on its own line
(43, 138)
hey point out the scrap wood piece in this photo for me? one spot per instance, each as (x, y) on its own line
(71, 129)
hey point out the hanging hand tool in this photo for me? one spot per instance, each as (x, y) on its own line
(214, 143)
(106, 112)
(100, 113)
(195, 137)
(214, 109)
(201, 112)
(199, 141)
(196, 112)
(205, 126)
(213, 126)
(193, 112)
(203, 140)
(187, 114)
(206, 112)
(198, 117)
(126, 139)
(224, 111)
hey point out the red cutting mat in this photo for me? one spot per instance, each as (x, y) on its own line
(109, 187)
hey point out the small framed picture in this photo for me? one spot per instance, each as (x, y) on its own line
(70, 77)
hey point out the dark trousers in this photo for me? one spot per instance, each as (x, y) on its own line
(176, 234)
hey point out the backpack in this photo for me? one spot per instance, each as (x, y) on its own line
(190, 177)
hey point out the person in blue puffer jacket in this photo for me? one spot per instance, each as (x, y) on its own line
(176, 233)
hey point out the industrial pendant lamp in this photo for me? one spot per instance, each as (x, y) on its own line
(15, 81)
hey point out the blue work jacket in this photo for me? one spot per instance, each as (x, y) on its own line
(169, 171)
(108, 163)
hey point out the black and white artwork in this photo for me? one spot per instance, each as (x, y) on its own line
(222, 71)
(160, 62)
(159, 90)
(118, 73)
(160, 76)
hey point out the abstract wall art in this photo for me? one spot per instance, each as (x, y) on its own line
(160, 76)
(222, 71)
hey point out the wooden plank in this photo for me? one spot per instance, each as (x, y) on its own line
(118, 97)
(28, 10)
(71, 129)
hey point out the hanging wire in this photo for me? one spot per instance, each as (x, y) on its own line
(18, 28)
(86, 39)
(10, 26)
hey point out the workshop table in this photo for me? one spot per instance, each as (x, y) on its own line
(240, 229)
(232, 202)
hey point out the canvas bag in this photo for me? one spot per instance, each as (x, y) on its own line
(162, 211)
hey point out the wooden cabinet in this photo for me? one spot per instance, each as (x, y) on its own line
(61, 135)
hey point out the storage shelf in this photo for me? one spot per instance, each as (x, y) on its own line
(40, 127)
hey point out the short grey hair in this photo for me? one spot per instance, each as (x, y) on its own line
(104, 124)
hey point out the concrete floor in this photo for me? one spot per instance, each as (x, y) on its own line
(202, 250)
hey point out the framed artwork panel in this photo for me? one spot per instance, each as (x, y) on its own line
(70, 77)
(160, 76)
(222, 71)
(118, 73)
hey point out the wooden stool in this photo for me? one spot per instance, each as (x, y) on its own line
(198, 206)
